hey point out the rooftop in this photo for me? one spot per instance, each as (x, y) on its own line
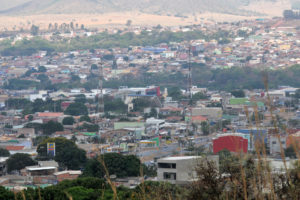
(237, 101)
(179, 158)
(37, 168)
(68, 172)
(14, 148)
(50, 114)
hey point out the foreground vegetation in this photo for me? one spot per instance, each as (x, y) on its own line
(203, 76)
(238, 177)
(105, 40)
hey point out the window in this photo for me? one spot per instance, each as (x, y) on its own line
(169, 176)
(274, 142)
(167, 165)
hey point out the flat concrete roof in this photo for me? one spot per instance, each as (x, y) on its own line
(178, 158)
(39, 168)
(73, 172)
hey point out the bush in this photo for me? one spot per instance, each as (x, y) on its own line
(68, 121)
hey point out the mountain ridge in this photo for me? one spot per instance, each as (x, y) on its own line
(159, 7)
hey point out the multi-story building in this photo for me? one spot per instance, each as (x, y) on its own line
(180, 170)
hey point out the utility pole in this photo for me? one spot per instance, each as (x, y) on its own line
(189, 85)
(189, 89)
(100, 95)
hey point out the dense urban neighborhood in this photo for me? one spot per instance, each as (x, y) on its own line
(145, 105)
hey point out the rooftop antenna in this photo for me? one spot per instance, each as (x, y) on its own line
(189, 88)
(100, 94)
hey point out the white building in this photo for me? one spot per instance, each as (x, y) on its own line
(180, 170)
(274, 144)
(154, 124)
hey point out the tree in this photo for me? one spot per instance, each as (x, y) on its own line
(37, 127)
(114, 105)
(80, 193)
(117, 164)
(94, 67)
(226, 161)
(67, 154)
(76, 109)
(115, 65)
(51, 127)
(297, 94)
(34, 30)
(37, 140)
(75, 78)
(55, 26)
(290, 152)
(175, 93)
(42, 69)
(30, 118)
(108, 57)
(126, 58)
(153, 112)
(21, 136)
(89, 127)
(80, 98)
(68, 121)
(241, 179)
(73, 138)
(6, 194)
(4, 153)
(209, 184)
(72, 25)
(294, 122)
(129, 22)
(238, 93)
(19, 161)
(29, 72)
(85, 118)
(17, 103)
(43, 78)
(198, 96)
(205, 128)
(141, 103)
(49, 26)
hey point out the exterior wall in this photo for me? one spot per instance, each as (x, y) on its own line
(185, 169)
(254, 136)
(4, 182)
(293, 140)
(275, 145)
(211, 113)
(231, 143)
(43, 179)
(66, 176)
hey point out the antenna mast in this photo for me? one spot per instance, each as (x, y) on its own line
(189, 88)
(100, 95)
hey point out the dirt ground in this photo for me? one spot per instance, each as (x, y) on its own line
(112, 20)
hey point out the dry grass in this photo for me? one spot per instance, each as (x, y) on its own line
(113, 20)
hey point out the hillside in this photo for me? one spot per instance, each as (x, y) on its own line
(159, 7)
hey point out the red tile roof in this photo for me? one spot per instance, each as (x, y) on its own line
(14, 148)
(170, 108)
(50, 114)
(199, 118)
